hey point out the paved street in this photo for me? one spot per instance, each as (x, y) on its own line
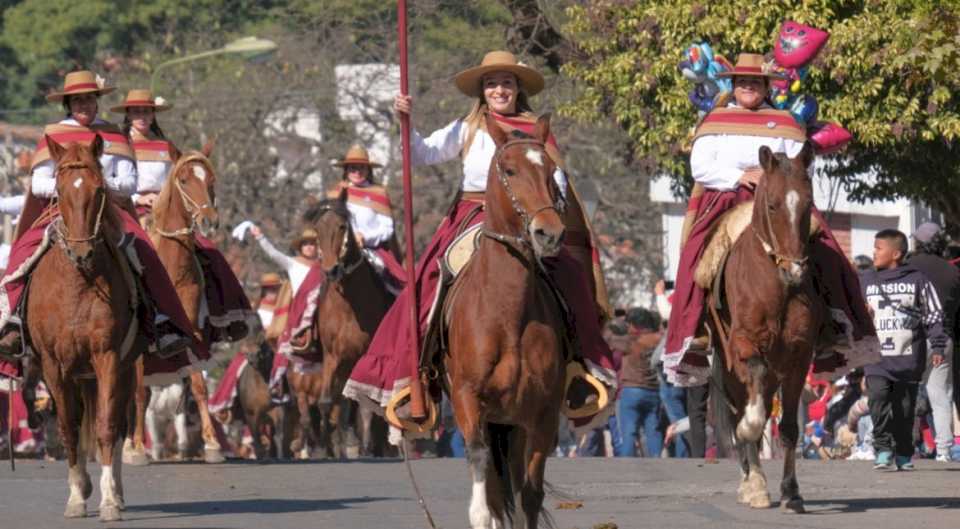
(631, 493)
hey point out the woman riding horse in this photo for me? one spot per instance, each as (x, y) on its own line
(500, 87)
(229, 313)
(725, 162)
(169, 327)
(371, 217)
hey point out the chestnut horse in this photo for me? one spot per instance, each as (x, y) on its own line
(769, 325)
(81, 318)
(186, 205)
(507, 346)
(353, 301)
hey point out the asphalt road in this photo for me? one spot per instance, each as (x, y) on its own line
(630, 493)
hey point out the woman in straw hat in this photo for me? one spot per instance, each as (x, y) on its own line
(371, 218)
(499, 86)
(175, 345)
(725, 162)
(298, 266)
(229, 314)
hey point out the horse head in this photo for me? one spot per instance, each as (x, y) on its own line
(189, 192)
(781, 212)
(336, 244)
(522, 196)
(82, 199)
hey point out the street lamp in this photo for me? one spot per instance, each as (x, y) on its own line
(250, 48)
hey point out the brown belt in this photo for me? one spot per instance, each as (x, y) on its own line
(473, 196)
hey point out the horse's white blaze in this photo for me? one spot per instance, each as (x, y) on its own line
(200, 173)
(535, 157)
(479, 510)
(793, 199)
(78, 182)
(754, 417)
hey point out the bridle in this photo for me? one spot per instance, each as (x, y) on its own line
(772, 248)
(344, 248)
(189, 204)
(62, 233)
(519, 242)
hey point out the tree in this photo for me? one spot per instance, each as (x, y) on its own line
(890, 73)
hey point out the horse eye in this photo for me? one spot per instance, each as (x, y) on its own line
(771, 207)
(509, 172)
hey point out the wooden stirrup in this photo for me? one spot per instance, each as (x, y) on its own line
(574, 370)
(406, 424)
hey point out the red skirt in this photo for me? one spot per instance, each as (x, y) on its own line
(26, 252)
(227, 303)
(385, 368)
(226, 391)
(839, 282)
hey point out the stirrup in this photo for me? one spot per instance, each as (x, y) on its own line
(390, 414)
(575, 370)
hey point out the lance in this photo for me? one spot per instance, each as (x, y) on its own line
(417, 404)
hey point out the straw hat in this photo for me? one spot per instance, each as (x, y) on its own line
(308, 234)
(270, 279)
(753, 65)
(141, 97)
(81, 82)
(468, 81)
(356, 155)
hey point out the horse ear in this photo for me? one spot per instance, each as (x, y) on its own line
(494, 130)
(173, 151)
(806, 155)
(207, 149)
(55, 149)
(767, 161)
(96, 146)
(541, 131)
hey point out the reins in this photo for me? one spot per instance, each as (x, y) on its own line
(344, 246)
(61, 231)
(189, 204)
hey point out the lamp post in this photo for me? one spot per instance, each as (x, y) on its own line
(250, 48)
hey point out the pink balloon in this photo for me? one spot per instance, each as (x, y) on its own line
(828, 138)
(798, 44)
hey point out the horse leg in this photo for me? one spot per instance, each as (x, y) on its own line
(307, 439)
(792, 388)
(113, 393)
(365, 424)
(150, 420)
(466, 409)
(180, 426)
(540, 443)
(211, 447)
(134, 452)
(69, 416)
(348, 428)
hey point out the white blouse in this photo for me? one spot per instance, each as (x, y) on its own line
(296, 270)
(376, 228)
(152, 174)
(119, 173)
(719, 160)
(445, 144)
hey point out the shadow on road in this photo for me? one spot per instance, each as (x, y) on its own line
(879, 504)
(251, 506)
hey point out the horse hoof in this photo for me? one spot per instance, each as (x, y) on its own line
(136, 459)
(213, 456)
(793, 505)
(110, 513)
(75, 510)
(352, 452)
(760, 500)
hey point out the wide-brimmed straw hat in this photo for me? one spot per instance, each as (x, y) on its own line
(141, 97)
(752, 65)
(308, 234)
(81, 82)
(270, 279)
(356, 155)
(468, 81)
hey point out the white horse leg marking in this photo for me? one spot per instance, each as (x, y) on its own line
(754, 418)
(480, 516)
(535, 157)
(108, 487)
(76, 479)
(150, 421)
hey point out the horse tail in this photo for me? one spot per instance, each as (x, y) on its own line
(88, 420)
(723, 419)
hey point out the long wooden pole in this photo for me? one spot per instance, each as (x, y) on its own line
(417, 404)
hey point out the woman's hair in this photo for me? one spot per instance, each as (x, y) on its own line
(154, 127)
(475, 118)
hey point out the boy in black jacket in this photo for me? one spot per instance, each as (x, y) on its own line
(907, 314)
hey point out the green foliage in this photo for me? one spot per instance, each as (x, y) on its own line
(890, 73)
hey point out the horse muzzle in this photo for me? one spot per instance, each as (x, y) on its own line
(793, 271)
(546, 242)
(208, 227)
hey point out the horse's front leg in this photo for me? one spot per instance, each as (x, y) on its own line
(69, 404)
(466, 410)
(114, 388)
(540, 443)
(211, 447)
(134, 452)
(792, 388)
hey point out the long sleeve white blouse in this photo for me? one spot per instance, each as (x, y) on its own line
(375, 227)
(446, 144)
(719, 160)
(12, 205)
(151, 175)
(119, 173)
(296, 270)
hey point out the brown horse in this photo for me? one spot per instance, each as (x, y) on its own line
(770, 324)
(186, 205)
(506, 354)
(353, 301)
(82, 320)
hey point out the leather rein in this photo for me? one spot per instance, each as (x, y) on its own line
(63, 237)
(772, 248)
(344, 247)
(189, 204)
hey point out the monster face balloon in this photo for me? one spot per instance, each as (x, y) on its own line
(798, 44)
